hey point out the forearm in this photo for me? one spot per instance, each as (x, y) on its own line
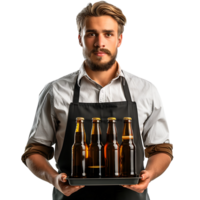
(157, 164)
(41, 168)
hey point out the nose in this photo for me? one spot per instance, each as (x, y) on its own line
(99, 41)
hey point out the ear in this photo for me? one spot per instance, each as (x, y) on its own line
(121, 41)
(78, 38)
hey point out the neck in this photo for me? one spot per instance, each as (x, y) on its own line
(102, 77)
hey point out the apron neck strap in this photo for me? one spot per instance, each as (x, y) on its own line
(126, 89)
(124, 86)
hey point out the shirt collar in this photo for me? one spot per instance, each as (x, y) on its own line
(83, 73)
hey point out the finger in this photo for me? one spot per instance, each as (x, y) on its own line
(81, 186)
(63, 177)
(75, 187)
(126, 186)
(144, 175)
(78, 187)
(134, 186)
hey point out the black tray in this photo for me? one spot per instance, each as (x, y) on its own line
(103, 181)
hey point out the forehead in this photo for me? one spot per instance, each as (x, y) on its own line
(100, 23)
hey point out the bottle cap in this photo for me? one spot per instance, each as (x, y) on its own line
(127, 118)
(111, 118)
(96, 119)
(79, 118)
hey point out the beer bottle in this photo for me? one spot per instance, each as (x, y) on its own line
(79, 150)
(96, 165)
(111, 150)
(127, 150)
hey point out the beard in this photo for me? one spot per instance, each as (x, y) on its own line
(101, 66)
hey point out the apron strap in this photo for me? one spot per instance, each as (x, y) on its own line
(124, 86)
(126, 89)
(76, 92)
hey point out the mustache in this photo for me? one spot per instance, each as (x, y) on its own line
(103, 50)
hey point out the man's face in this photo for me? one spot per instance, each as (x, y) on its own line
(100, 41)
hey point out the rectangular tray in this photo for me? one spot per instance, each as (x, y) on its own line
(103, 181)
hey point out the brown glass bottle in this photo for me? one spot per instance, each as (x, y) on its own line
(79, 150)
(127, 150)
(96, 167)
(111, 150)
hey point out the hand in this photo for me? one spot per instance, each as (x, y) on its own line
(143, 183)
(61, 184)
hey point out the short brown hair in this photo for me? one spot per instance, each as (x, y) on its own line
(98, 9)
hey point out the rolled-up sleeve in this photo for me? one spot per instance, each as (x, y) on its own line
(159, 148)
(45, 122)
(156, 130)
(36, 148)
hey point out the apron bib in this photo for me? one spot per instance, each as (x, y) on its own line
(119, 110)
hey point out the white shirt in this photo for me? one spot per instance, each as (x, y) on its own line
(52, 112)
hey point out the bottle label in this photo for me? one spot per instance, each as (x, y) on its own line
(127, 137)
(96, 166)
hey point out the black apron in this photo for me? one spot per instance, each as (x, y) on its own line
(119, 110)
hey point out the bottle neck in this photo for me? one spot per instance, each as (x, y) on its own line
(95, 133)
(111, 133)
(80, 136)
(127, 135)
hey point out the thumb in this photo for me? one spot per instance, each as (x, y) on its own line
(144, 175)
(63, 177)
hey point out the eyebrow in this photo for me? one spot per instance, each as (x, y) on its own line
(95, 31)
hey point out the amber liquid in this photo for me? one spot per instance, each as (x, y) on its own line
(127, 157)
(96, 166)
(96, 171)
(79, 156)
(111, 156)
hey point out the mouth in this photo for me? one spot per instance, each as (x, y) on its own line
(100, 53)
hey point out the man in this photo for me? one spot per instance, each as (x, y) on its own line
(99, 82)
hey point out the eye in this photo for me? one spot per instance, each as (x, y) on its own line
(91, 34)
